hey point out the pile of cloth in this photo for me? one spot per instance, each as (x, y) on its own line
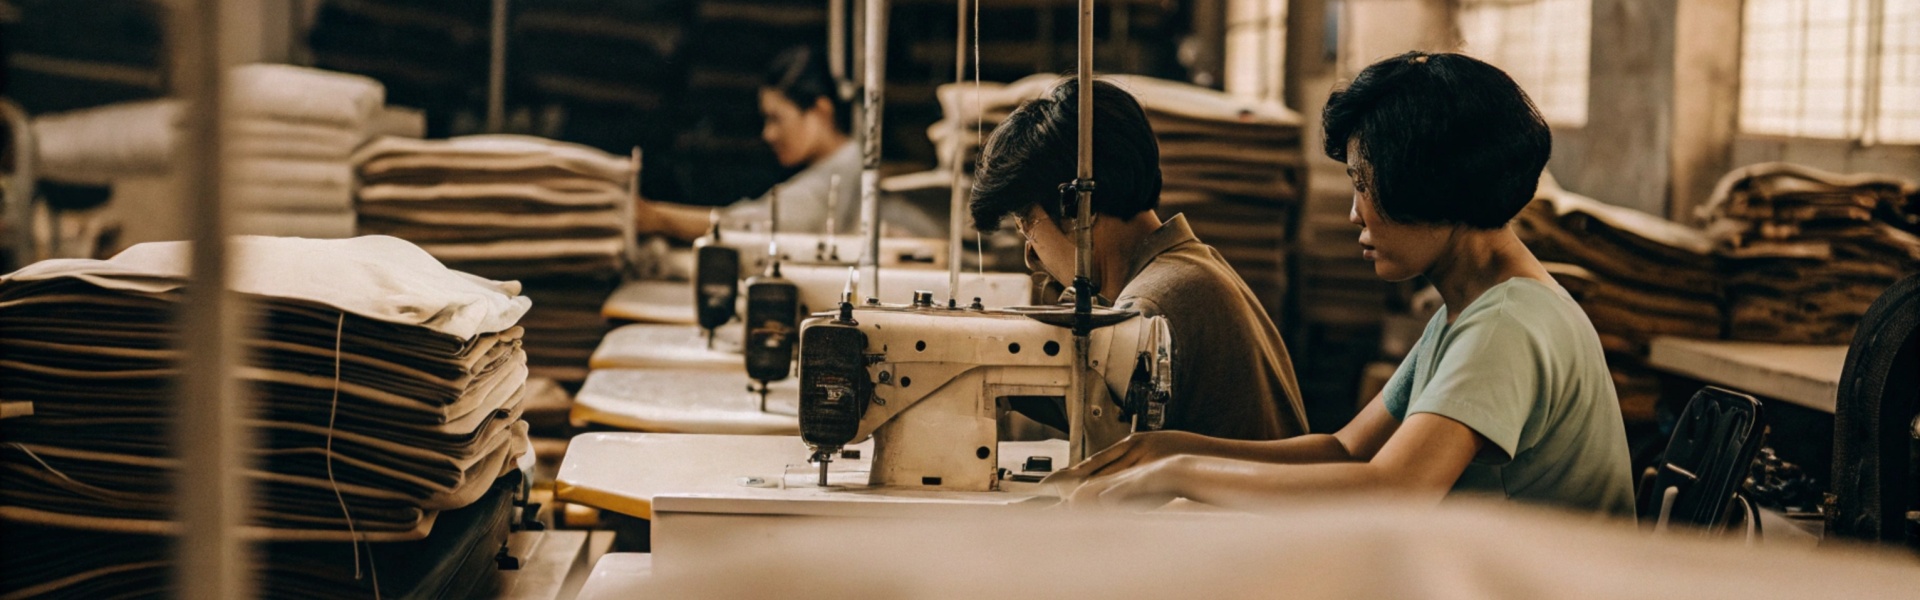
(1636, 276)
(1807, 250)
(387, 393)
(1234, 166)
(550, 214)
(458, 559)
(293, 133)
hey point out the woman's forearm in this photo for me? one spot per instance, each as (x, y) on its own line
(1247, 485)
(1422, 461)
(677, 221)
(1304, 449)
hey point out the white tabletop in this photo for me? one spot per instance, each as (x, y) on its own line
(617, 576)
(668, 346)
(687, 401)
(652, 301)
(627, 472)
(1805, 375)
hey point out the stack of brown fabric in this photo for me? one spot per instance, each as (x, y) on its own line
(548, 213)
(1809, 250)
(387, 389)
(1233, 165)
(1636, 276)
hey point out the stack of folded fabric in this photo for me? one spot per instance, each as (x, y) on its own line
(1644, 276)
(293, 133)
(1636, 276)
(1234, 166)
(1809, 250)
(511, 207)
(457, 559)
(387, 390)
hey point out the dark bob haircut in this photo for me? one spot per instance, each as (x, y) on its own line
(1451, 140)
(1035, 150)
(800, 73)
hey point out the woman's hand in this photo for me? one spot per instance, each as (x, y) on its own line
(1137, 449)
(1143, 487)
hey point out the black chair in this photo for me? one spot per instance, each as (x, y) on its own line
(1876, 477)
(1713, 444)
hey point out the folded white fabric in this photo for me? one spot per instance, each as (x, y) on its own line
(325, 174)
(268, 138)
(321, 225)
(377, 277)
(265, 197)
(303, 95)
(97, 145)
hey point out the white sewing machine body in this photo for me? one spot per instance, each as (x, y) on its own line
(940, 380)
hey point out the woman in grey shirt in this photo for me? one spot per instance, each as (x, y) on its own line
(807, 125)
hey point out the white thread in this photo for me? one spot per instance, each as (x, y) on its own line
(96, 492)
(979, 123)
(339, 331)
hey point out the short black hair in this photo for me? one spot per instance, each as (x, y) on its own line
(1036, 149)
(801, 74)
(1451, 139)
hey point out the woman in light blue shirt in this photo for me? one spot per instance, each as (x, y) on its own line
(1506, 394)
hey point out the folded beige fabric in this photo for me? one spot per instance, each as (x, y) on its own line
(303, 95)
(101, 144)
(510, 153)
(376, 277)
(270, 138)
(330, 224)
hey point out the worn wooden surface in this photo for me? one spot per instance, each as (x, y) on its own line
(1801, 374)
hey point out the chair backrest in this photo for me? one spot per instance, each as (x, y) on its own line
(1713, 443)
(1875, 479)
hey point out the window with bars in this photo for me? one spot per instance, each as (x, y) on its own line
(1256, 48)
(1543, 44)
(1837, 69)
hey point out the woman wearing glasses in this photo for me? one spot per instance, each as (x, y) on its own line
(1231, 374)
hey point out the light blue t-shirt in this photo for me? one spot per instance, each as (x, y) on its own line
(1523, 367)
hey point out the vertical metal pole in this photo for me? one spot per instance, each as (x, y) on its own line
(629, 230)
(874, 94)
(210, 490)
(837, 46)
(1078, 404)
(19, 209)
(956, 213)
(857, 39)
(497, 71)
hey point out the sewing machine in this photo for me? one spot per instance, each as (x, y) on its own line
(930, 384)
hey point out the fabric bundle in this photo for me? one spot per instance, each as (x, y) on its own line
(511, 207)
(1808, 250)
(98, 145)
(387, 390)
(1636, 276)
(294, 130)
(457, 560)
(1233, 165)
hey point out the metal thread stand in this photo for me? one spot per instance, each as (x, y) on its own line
(1079, 402)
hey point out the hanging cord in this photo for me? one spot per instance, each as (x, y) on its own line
(979, 112)
(979, 140)
(339, 330)
(78, 487)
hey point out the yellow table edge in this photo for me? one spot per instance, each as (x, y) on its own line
(634, 507)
